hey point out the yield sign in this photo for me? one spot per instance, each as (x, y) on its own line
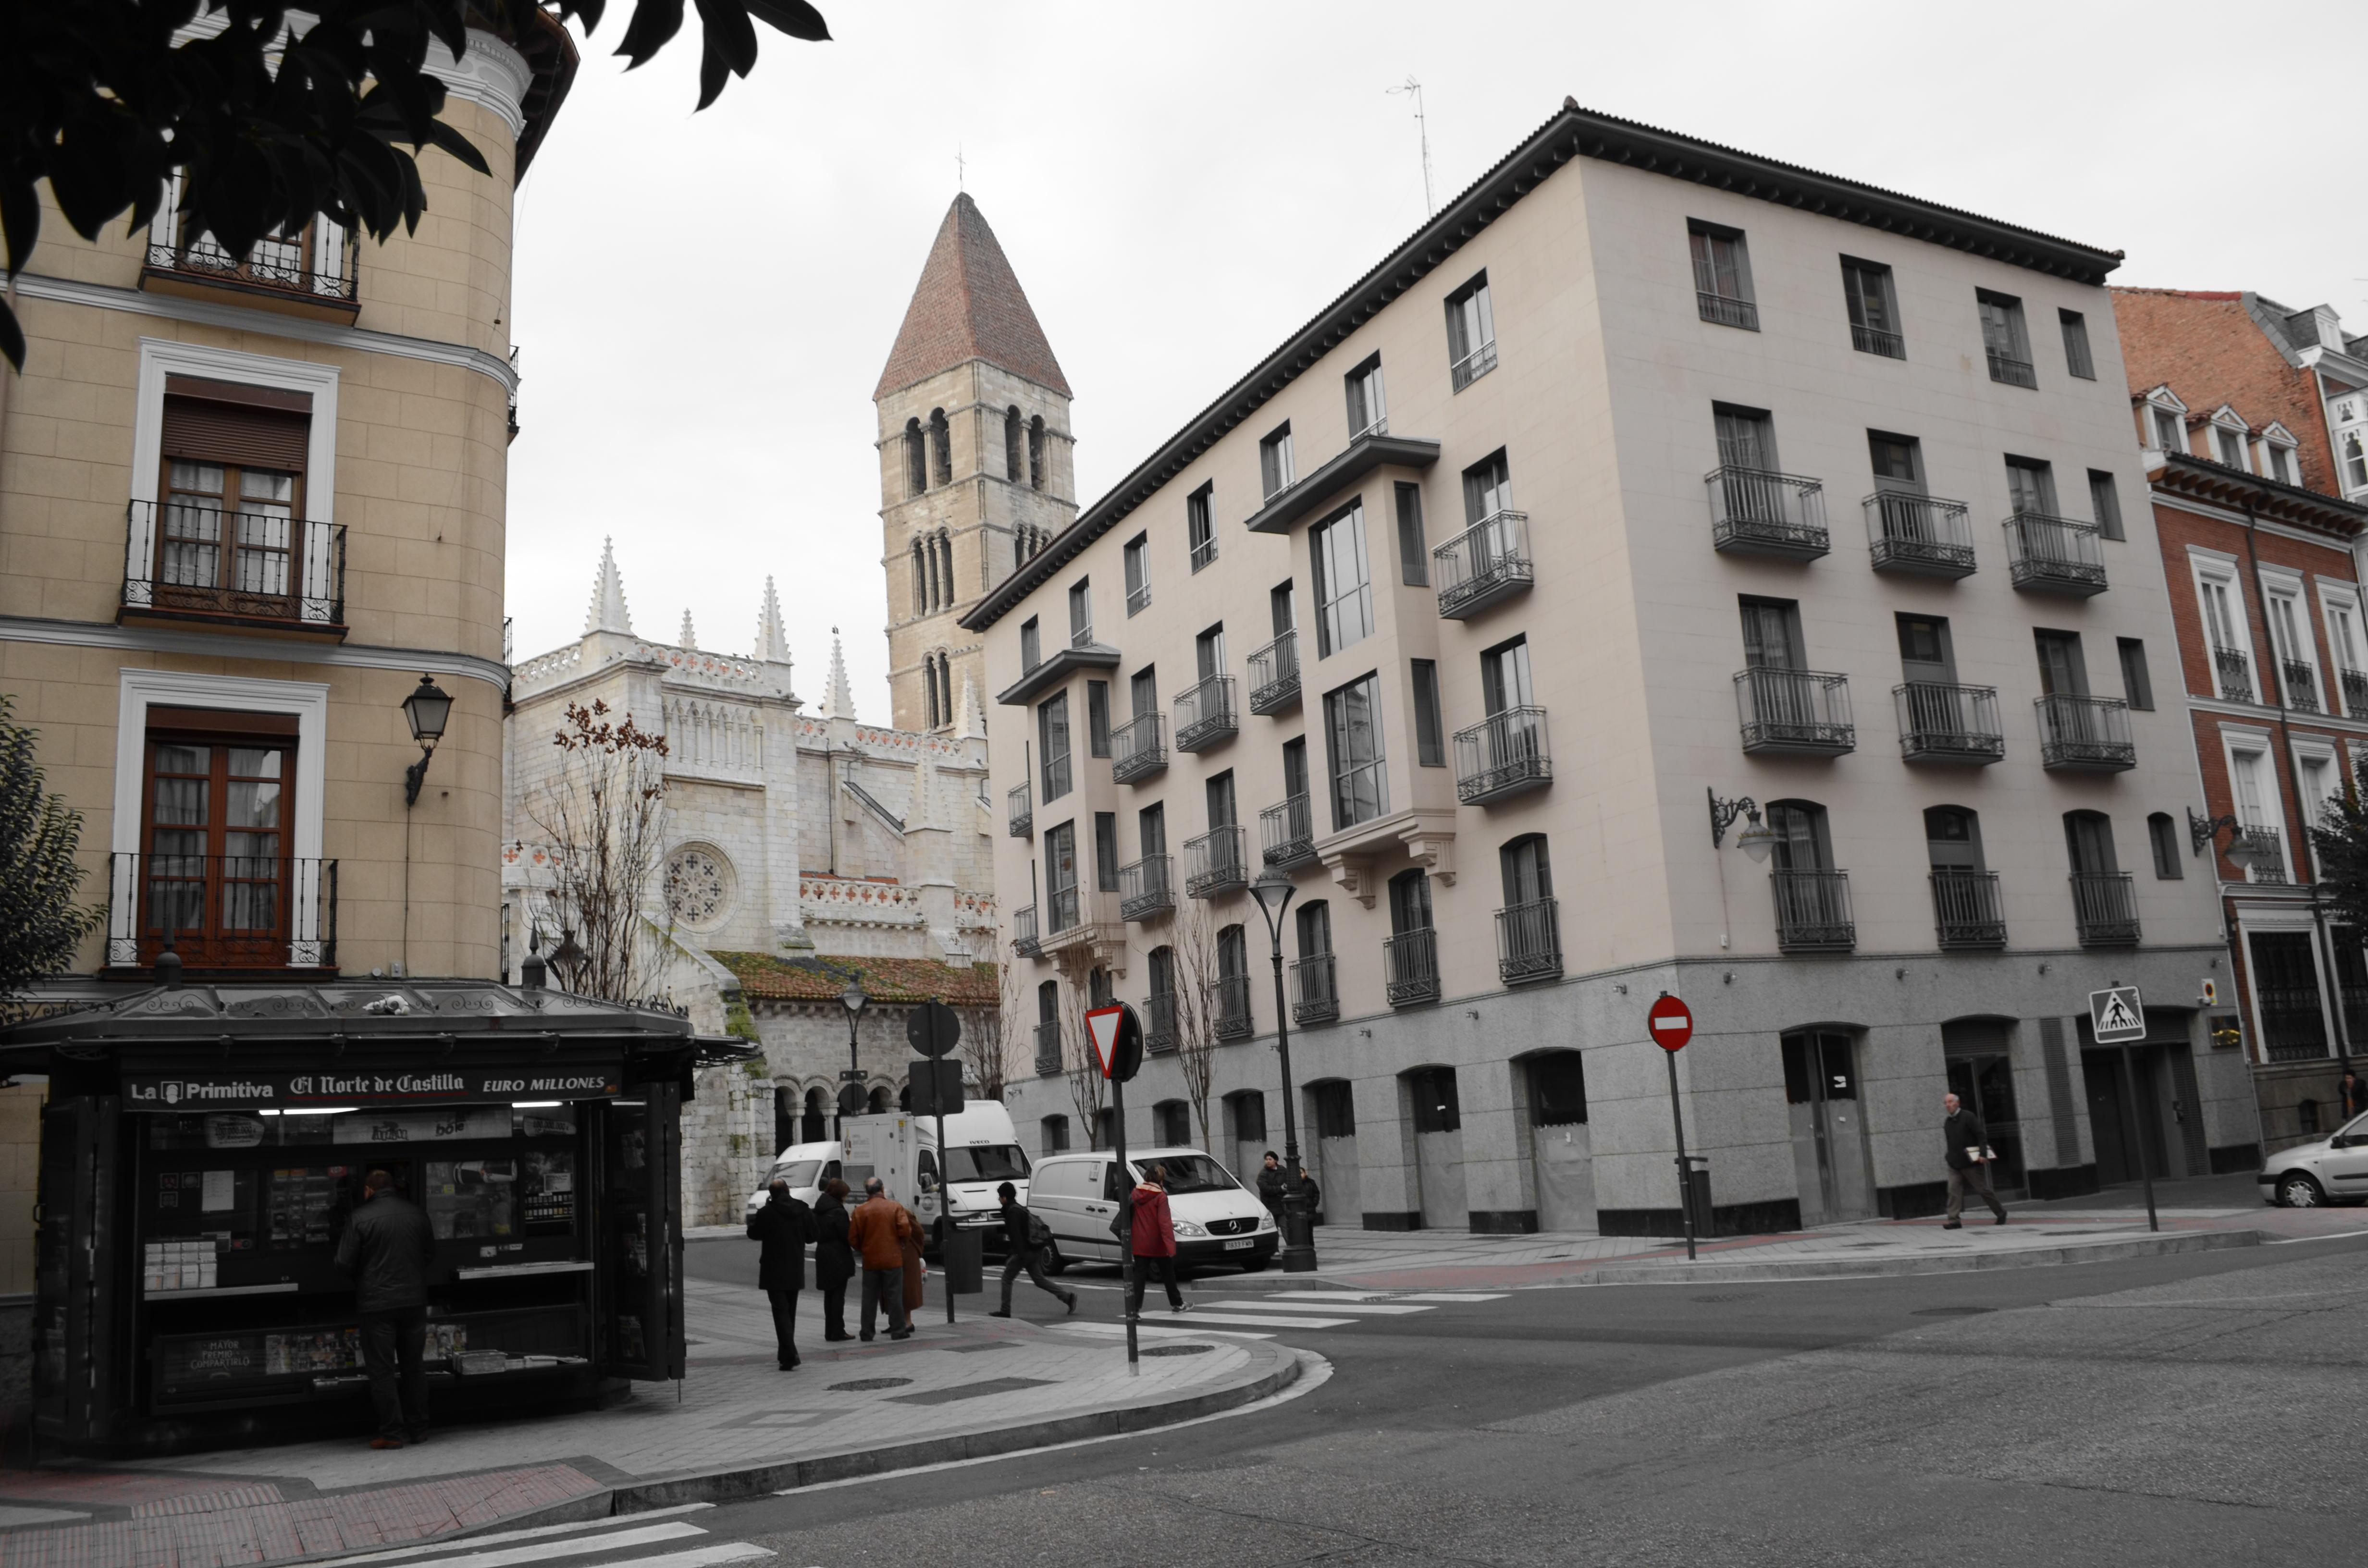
(1672, 1023)
(2116, 1016)
(1116, 1037)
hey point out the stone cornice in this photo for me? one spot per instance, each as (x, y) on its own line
(230, 645)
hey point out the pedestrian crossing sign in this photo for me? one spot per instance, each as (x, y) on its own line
(2116, 1016)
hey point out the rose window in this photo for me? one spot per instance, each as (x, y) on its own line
(698, 886)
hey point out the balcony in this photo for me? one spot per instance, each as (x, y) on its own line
(1529, 942)
(1813, 912)
(1023, 932)
(1954, 725)
(2301, 684)
(1486, 563)
(1274, 674)
(2355, 693)
(2014, 372)
(1965, 909)
(223, 912)
(2054, 555)
(1139, 748)
(1918, 536)
(2085, 734)
(1060, 909)
(1794, 712)
(1229, 1004)
(1726, 310)
(2105, 908)
(1213, 863)
(2235, 672)
(1472, 366)
(1504, 753)
(1048, 1048)
(2269, 853)
(1753, 512)
(1314, 989)
(1410, 967)
(1874, 340)
(310, 274)
(1147, 888)
(1287, 833)
(267, 571)
(1205, 714)
(1019, 816)
(1159, 1032)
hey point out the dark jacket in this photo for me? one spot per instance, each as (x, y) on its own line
(1312, 1194)
(834, 1259)
(1015, 1229)
(1153, 1233)
(387, 1247)
(785, 1225)
(1270, 1189)
(2354, 1097)
(1963, 1131)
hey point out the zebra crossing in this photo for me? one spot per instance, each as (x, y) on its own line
(1261, 1316)
(659, 1538)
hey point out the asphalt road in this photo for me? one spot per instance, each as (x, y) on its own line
(2203, 1409)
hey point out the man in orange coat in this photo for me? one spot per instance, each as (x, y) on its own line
(877, 1232)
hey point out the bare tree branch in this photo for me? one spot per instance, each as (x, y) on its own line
(603, 814)
(1194, 941)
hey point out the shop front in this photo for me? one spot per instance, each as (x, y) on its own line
(204, 1147)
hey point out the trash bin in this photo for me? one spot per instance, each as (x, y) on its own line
(962, 1254)
(1698, 1194)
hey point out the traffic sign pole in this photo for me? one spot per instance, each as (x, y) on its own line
(1671, 1024)
(2146, 1166)
(1115, 1035)
(1685, 1170)
(2117, 1017)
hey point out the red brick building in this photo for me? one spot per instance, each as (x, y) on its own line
(2254, 421)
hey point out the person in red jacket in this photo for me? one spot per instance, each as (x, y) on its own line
(1151, 1237)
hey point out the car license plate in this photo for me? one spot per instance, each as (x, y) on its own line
(1245, 1243)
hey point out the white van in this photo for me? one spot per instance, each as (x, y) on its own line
(982, 1152)
(805, 1166)
(1217, 1219)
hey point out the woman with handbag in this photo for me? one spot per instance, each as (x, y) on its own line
(1025, 1238)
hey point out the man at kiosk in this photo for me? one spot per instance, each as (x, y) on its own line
(388, 1247)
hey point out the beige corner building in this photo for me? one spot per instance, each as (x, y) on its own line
(1668, 570)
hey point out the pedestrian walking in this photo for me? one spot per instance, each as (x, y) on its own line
(387, 1248)
(2353, 1094)
(784, 1225)
(833, 1258)
(1311, 1194)
(876, 1233)
(1024, 1240)
(916, 1267)
(1969, 1156)
(1151, 1237)
(1272, 1183)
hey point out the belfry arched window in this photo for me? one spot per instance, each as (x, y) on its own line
(921, 582)
(1014, 434)
(917, 459)
(1036, 451)
(941, 444)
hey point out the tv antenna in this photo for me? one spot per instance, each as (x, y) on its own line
(1414, 90)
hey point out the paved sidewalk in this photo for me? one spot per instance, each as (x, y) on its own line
(737, 1427)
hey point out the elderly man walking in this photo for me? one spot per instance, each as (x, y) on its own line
(877, 1232)
(387, 1247)
(1968, 1154)
(785, 1225)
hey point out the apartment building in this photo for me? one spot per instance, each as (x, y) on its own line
(1667, 571)
(2250, 418)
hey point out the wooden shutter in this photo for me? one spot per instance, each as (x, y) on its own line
(224, 422)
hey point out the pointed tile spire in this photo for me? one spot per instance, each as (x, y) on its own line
(772, 641)
(838, 700)
(608, 612)
(969, 722)
(690, 639)
(969, 305)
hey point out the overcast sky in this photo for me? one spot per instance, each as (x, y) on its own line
(704, 302)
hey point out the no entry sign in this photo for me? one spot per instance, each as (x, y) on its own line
(1672, 1023)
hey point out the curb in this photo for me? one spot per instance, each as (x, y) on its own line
(1741, 1272)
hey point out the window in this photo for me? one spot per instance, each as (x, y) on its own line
(1281, 615)
(1487, 488)
(1505, 676)
(1522, 865)
(2169, 431)
(1369, 415)
(1151, 829)
(921, 582)
(2317, 781)
(2343, 647)
(1802, 844)
(941, 445)
(1471, 334)
(2290, 636)
(1953, 840)
(2278, 463)
(1432, 1089)
(1557, 1088)
(2228, 446)
(2136, 685)
(1352, 730)
(1410, 908)
(1771, 635)
(1052, 744)
(1052, 1134)
(2089, 842)
(1031, 651)
(2105, 504)
(1209, 652)
(1722, 276)
(1873, 309)
(1098, 724)
(1925, 653)
(1429, 732)
(917, 459)
(230, 526)
(1061, 877)
(1218, 791)
(1336, 1109)
(1138, 574)
(2226, 625)
(2062, 670)
(2032, 483)
(1081, 613)
(1143, 691)
(1315, 929)
(2162, 838)
(1344, 592)
(1294, 767)
(2077, 358)
(2003, 338)
(1036, 452)
(1747, 437)
(1106, 851)
(1200, 531)
(1276, 470)
(1414, 556)
(1015, 435)
(217, 873)
(1171, 1124)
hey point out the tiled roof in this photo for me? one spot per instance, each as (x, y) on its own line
(766, 978)
(969, 305)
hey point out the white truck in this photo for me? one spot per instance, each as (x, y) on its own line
(982, 1152)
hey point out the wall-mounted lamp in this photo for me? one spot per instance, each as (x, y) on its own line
(2245, 851)
(1756, 841)
(426, 710)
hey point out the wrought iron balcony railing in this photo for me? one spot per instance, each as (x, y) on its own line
(195, 563)
(1229, 1002)
(1159, 1032)
(1503, 755)
(2054, 555)
(1794, 712)
(2301, 684)
(1486, 563)
(1023, 932)
(1874, 340)
(1314, 989)
(1048, 1048)
(1018, 812)
(1726, 310)
(1205, 552)
(1920, 535)
(2355, 693)
(2014, 372)
(1753, 512)
(223, 911)
(317, 264)
(1213, 863)
(1274, 674)
(1939, 722)
(1139, 747)
(1147, 888)
(1529, 942)
(1205, 714)
(2235, 672)
(1813, 912)
(2105, 908)
(2268, 848)
(1965, 909)
(2085, 734)
(2292, 1026)
(1287, 833)
(1473, 365)
(1060, 909)
(1410, 967)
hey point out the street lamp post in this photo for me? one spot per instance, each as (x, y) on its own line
(850, 1087)
(1273, 891)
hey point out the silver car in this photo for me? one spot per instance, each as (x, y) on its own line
(2333, 1170)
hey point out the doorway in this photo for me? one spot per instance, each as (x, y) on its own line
(1829, 1152)
(2111, 1103)
(1438, 1147)
(1981, 1075)
(1332, 1108)
(1562, 1149)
